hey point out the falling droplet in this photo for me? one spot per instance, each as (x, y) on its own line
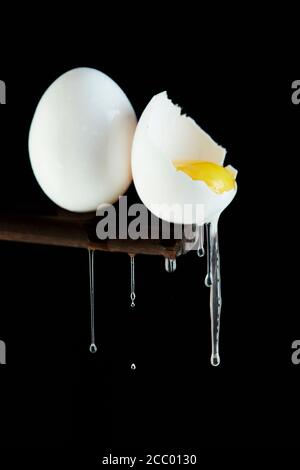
(170, 265)
(133, 366)
(132, 282)
(215, 291)
(208, 278)
(93, 347)
(201, 251)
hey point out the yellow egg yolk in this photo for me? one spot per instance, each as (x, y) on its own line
(218, 178)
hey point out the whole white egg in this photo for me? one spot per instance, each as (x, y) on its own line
(80, 140)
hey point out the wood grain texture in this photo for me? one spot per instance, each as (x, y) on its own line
(68, 229)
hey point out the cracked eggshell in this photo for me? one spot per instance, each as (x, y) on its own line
(162, 136)
(80, 140)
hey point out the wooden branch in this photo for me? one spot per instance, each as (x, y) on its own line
(64, 228)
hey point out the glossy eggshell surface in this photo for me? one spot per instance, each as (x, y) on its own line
(80, 140)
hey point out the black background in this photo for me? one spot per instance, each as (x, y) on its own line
(54, 394)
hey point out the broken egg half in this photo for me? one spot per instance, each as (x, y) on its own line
(178, 169)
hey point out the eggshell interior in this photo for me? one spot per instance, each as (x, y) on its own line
(162, 136)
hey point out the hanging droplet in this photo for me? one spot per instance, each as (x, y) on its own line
(132, 297)
(132, 282)
(215, 291)
(215, 360)
(93, 347)
(170, 265)
(133, 366)
(208, 278)
(201, 251)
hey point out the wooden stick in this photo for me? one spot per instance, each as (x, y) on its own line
(63, 228)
